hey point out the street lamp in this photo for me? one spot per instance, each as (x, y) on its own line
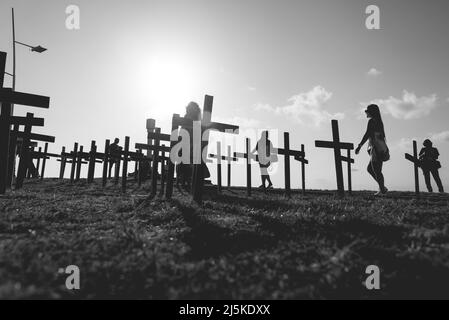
(37, 49)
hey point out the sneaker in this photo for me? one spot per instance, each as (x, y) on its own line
(381, 192)
(262, 187)
(270, 187)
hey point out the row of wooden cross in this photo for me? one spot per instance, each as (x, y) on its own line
(287, 152)
(248, 156)
(158, 153)
(15, 140)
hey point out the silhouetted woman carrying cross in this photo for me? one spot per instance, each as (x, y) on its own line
(428, 157)
(185, 171)
(377, 148)
(264, 149)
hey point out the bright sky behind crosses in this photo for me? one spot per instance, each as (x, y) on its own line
(279, 64)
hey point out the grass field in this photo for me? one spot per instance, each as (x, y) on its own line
(266, 247)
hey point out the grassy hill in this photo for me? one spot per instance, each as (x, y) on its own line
(266, 247)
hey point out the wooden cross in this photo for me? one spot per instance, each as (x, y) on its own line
(44, 156)
(219, 158)
(13, 145)
(206, 126)
(80, 157)
(337, 146)
(127, 156)
(38, 158)
(67, 158)
(76, 159)
(83, 158)
(248, 156)
(416, 164)
(287, 153)
(7, 98)
(63, 161)
(106, 160)
(93, 157)
(10, 141)
(25, 158)
(2, 67)
(155, 149)
(303, 162)
(114, 159)
(163, 157)
(349, 160)
(151, 127)
(92, 162)
(73, 155)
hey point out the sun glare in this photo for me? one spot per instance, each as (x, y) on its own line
(170, 83)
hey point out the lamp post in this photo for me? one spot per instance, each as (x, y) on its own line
(37, 49)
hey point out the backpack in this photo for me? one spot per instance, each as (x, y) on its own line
(378, 148)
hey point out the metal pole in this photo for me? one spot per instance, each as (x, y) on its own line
(13, 54)
(13, 163)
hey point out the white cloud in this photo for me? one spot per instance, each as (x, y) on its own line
(307, 107)
(409, 106)
(406, 144)
(373, 72)
(442, 136)
(242, 122)
(263, 107)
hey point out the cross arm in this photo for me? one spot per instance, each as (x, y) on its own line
(159, 136)
(22, 121)
(222, 127)
(152, 148)
(43, 154)
(346, 159)
(301, 159)
(214, 156)
(411, 158)
(241, 155)
(332, 145)
(37, 137)
(26, 99)
(294, 153)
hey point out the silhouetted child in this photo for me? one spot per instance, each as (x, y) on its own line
(264, 149)
(377, 148)
(428, 157)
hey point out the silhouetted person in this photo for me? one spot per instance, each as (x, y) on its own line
(185, 170)
(32, 170)
(377, 148)
(430, 165)
(114, 152)
(264, 149)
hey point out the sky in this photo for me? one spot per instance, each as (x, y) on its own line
(284, 65)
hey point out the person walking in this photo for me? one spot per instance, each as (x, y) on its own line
(114, 152)
(264, 149)
(377, 148)
(429, 163)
